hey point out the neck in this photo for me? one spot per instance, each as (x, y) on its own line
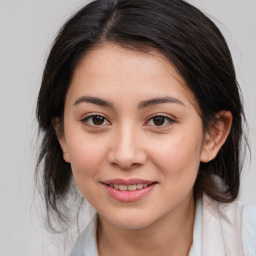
(170, 235)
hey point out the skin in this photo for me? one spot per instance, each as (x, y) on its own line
(128, 142)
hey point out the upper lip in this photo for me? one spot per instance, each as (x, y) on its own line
(127, 181)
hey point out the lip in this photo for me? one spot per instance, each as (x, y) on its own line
(127, 182)
(128, 196)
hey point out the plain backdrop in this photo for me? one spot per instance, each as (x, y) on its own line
(27, 28)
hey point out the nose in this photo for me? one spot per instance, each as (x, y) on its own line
(127, 149)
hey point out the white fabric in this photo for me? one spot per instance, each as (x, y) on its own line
(219, 229)
(249, 230)
(197, 231)
(222, 225)
(86, 244)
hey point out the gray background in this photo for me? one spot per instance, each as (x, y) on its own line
(27, 28)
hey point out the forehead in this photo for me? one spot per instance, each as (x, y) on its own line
(110, 65)
(105, 58)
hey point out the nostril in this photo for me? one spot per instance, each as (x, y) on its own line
(126, 156)
(126, 166)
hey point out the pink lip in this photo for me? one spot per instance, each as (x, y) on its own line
(128, 196)
(127, 182)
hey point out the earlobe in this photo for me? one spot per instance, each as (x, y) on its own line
(61, 138)
(63, 146)
(216, 136)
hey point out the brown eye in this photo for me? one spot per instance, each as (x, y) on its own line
(159, 120)
(98, 120)
(95, 120)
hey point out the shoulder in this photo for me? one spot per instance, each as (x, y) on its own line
(230, 225)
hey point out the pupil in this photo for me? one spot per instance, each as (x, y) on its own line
(98, 120)
(159, 120)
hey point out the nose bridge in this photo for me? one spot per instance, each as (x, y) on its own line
(127, 149)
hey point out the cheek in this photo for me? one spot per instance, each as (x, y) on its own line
(86, 155)
(86, 160)
(178, 157)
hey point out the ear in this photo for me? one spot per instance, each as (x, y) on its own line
(216, 136)
(59, 131)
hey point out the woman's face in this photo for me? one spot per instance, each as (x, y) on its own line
(132, 135)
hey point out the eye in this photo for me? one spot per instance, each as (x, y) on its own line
(159, 120)
(95, 120)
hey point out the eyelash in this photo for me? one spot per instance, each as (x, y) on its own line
(167, 120)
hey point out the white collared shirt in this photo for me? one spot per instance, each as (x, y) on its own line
(219, 229)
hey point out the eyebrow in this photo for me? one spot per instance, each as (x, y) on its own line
(93, 100)
(141, 105)
(161, 100)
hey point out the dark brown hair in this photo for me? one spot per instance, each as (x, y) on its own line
(189, 39)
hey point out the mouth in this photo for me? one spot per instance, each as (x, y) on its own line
(128, 190)
(132, 187)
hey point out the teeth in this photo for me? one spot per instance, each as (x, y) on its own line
(123, 187)
(140, 186)
(132, 187)
(128, 187)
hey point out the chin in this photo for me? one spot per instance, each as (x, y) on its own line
(131, 221)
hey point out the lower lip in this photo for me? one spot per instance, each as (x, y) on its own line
(129, 196)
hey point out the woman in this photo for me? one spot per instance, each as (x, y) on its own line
(139, 104)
